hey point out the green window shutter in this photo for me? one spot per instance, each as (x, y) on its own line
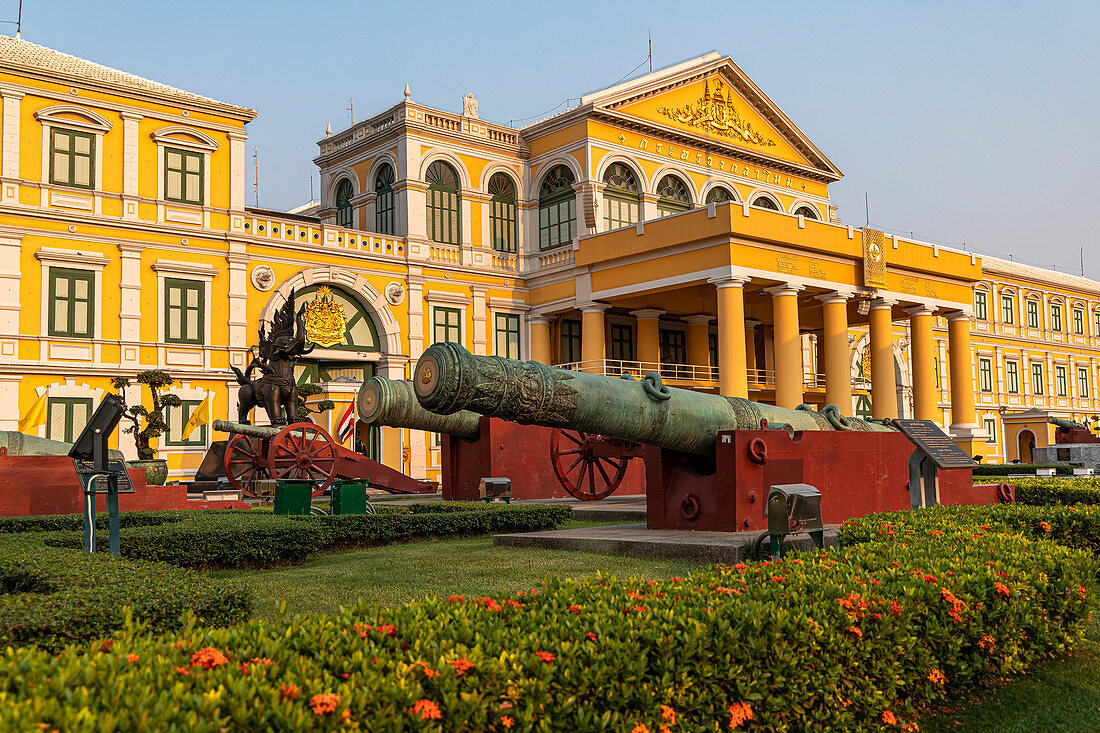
(72, 158)
(66, 417)
(183, 176)
(177, 418)
(446, 325)
(508, 336)
(184, 311)
(384, 207)
(71, 305)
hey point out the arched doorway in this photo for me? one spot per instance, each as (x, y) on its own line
(352, 361)
(1025, 442)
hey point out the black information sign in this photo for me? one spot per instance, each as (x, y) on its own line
(935, 443)
(99, 483)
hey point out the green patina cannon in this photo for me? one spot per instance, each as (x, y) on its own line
(21, 444)
(710, 461)
(1069, 432)
(390, 403)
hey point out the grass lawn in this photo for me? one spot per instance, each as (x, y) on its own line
(1061, 695)
(395, 574)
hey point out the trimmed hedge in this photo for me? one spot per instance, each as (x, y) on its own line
(1007, 469)
(228, 539)
(1057, 491)
(56, 596)
(860, 638)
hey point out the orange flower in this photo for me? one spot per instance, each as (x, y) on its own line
(664, 729)
(987, 643)
(855, 631)
(1044, 526)
(346, 715)
(936, 677)
(889, 718)
(428, 671)
(131, 658)
(1082, 592)
(1001, 588)
(106, 645)
(546, 657)
(462, 666)
(575, 609)
(668, 714)
(895, 609)
(506, 721)
(324, 703)
(640, 728)
(183, 670)
(740, 712)
(778, 578)
(208, 658)
(427, 710)
(910, 727)
(454, 599)
(387, 630)
(288, 691)
(591, 636)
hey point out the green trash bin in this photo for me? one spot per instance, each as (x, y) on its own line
(293, 496)
(349, 497)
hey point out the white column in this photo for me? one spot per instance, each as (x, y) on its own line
(238, 301)
(130, 164)
(130, 308)
(416, 313)
(481, 339)
(9, 147)
(9, 402)
(11, 250)
(237, 165)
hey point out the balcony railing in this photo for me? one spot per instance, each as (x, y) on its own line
(694, 373)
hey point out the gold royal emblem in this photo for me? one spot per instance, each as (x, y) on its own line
(715, 113)
(324, 319)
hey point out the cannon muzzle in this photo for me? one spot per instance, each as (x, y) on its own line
(1068, 424)
(449, 378)
(393, 404)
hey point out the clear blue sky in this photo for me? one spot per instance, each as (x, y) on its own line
(972, 122)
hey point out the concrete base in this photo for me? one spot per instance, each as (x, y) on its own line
(1080, 454)
(637, 541)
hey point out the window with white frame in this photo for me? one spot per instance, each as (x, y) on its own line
(1055, 317)
(72, 145)
(1083, 382)
(1079, 321)
(1060, 385)
(981, 306)
(446, 325)
(184, 162)
(990, 424)
(985, 375)
(1037, 378)
(507, 335)
(1008, 309)
(1012, 377)
(1033, 314)
(71, 304)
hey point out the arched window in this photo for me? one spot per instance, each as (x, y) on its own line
(344, 215)
(674, 196)
(806, 211)
(718, 194)
(383, 202)
(557, 208)
(763, 202)
(502, 216)
(442, 209)
(620, 196)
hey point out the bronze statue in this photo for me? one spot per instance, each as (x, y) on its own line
(276, 389)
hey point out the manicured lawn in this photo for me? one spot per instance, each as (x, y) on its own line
(1061, 695)
(396, 574)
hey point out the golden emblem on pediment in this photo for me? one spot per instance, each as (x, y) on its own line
(715, 113)
(324, 319)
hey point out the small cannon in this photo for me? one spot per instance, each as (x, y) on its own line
(710, 461)
(476, 447)
(1071, 432)
(303, 451)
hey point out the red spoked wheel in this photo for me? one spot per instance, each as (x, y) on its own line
(589, 467)
(305, 452)
(246, 462)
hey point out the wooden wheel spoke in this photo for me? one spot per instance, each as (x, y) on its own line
(580, 477)
(570, 436)
(569, 452)
(573, 464)
(607, 479)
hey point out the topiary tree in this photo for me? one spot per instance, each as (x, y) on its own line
(155, 424)
(308, 389)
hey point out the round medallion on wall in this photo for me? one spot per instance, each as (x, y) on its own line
(395, 293)
(263, 277)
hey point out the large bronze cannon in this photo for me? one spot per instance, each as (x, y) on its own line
(1069, 432)
(709, 460)
(389, 403)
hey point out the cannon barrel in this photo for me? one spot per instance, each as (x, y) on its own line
(21, 444)
(393, 404)
(448, 379)
(1063, 423)
(256, 431)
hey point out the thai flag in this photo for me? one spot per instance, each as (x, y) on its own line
(347, 424)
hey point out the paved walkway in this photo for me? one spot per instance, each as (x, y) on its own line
(637, 541)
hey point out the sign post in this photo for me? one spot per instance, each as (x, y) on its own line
(100, 474)
(934, 451)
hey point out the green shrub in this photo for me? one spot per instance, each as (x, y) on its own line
(1057, 491)
(859, 638)
(258, 539)
(1007, 469)
(73, 522)
(55, 596)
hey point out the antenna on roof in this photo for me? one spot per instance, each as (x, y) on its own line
(256, 174)
(650, 48)
(351, 111)
(1082, 262)
(19, 22)
(867, 206)
(311, 188)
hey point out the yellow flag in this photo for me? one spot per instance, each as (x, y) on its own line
(198, 417)
(35, 416)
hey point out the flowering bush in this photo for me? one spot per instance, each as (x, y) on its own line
(1057, 490)
(859, 638)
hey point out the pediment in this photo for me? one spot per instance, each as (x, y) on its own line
(711, 98)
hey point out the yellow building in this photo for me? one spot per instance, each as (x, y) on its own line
(678, 222)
